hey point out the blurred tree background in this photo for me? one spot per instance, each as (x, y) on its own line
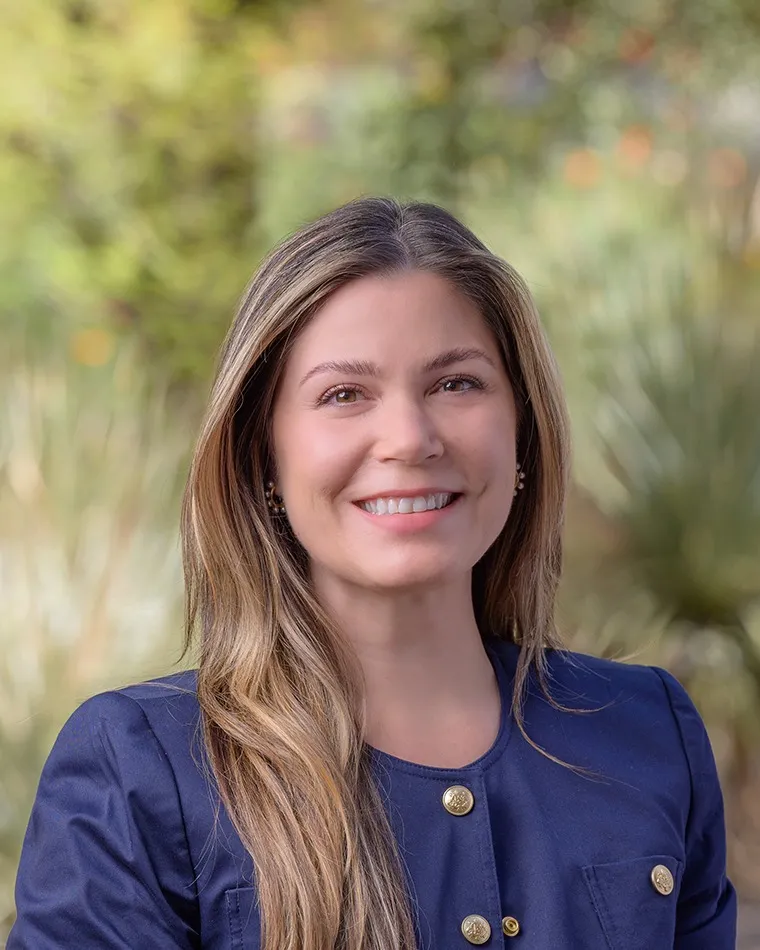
(152, 150)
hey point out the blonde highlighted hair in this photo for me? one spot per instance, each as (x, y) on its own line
(279, 688)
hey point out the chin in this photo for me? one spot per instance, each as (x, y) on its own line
(409, 576)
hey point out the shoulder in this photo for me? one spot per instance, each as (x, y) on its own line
(107, 839)
(113, 747)
(144, 702)
(589, 682)
(643, 729)
(644, 693)
(140, 745)
(597, 679)
(151, 725)
(168, 704)
(606, 710)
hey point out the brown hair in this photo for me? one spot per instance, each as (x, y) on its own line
(277, 684)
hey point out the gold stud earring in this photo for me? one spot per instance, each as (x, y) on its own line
(519, 480)
(274, 500)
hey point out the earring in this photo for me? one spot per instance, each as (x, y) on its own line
(274, 500)
(519, 480)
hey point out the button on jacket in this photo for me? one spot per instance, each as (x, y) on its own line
(511, 851)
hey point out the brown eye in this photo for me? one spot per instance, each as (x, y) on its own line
(343, 396)
(468, 384)
(339, 396)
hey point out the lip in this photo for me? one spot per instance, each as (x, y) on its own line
(414, 521)
(407, 493)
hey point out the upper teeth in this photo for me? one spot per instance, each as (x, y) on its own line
(403, 506)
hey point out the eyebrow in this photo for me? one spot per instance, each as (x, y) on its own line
(367, 368)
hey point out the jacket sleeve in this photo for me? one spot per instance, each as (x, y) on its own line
(707, 906)
(105, 861)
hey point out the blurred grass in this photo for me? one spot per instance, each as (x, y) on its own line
(90, 467)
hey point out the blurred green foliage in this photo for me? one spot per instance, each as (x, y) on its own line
(152, 150)
(128, 169)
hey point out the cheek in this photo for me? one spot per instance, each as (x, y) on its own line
(493, 444)
(315, 461)
(504, 461)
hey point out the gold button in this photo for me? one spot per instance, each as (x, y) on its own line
(662, 879)
(476, 928)
(510, 926)
(458, 800)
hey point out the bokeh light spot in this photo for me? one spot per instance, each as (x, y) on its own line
(92, 347)
(726, 167)
(583, 169)
(635, 147)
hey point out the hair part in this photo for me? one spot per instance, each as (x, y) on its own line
(279, 688)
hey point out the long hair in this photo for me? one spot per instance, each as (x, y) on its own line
(279, 689)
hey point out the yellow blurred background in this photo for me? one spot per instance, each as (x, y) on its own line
(152, 150)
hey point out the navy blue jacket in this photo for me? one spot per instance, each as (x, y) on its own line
(121, 852)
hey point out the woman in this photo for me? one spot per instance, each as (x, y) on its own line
(383, 746)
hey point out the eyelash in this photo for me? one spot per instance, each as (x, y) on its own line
(334, 390)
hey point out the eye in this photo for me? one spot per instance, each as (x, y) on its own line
(337, 396)
(470, 381)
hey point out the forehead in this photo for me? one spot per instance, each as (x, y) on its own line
(398, 317)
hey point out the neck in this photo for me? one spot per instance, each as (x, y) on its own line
(430, 688)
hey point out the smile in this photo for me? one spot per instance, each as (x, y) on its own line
(408, 505)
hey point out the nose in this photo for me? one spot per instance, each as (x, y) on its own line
(407, 432)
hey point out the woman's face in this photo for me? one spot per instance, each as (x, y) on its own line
(395, 392)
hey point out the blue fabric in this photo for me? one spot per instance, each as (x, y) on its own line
(123, 849)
